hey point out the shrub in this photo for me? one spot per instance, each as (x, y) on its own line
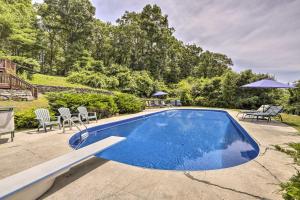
(291, 189)
(25, 119)
(201, 101)
(128, 103)
(142, 84)
(103, 104)
(186, 98)
(93, 79)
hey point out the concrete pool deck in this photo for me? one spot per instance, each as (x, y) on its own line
(101, 179)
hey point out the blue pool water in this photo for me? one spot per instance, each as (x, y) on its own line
(177, 140)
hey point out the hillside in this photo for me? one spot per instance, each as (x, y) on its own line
(41, 79)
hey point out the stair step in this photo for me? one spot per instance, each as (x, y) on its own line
(15, 94)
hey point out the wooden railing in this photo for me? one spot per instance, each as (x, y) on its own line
(10, 81)
(7, 66)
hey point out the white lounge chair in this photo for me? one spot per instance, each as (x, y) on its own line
(68, 118)
(178, 103)
(43, 116)
(85, 115)
(156, 103)
(173, 102)
(163, 104)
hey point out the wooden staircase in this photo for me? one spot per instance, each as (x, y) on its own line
(8, 79)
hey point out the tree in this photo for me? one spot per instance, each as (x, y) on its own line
(17, 30)
(68, 24)
(229, 88)
(212, 65)
(294, 99)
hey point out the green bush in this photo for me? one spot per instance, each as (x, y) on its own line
(291, 189)
(102, 104)
(186, 99)
(139, 83)
(93, 79)
(25, 119)
(201, 101)
(128, 103)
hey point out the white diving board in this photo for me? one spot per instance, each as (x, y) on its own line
(33, 182)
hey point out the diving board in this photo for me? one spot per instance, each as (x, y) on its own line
(33, 182)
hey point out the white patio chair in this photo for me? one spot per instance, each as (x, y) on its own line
(43, 116)
(178, 103)
(85, 115)
(173, 102)
(68, 118)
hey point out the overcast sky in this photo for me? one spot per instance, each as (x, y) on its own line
(260, 35)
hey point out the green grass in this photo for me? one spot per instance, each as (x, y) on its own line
(41, 102)
(291, 189)
(292, 120)
(40, 79)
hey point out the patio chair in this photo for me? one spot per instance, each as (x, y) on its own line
(178, 103)
(273, 111)
(156, 103)
(163, 104)
(173, 102)
(262, 108)
(148, 103)
(68, 118)
(85, 115)
(43, 116)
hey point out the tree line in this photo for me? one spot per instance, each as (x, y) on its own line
(56, 36)
(137, 54)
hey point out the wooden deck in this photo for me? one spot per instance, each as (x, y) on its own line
(10, 81)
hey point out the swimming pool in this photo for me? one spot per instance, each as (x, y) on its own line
(183, 139)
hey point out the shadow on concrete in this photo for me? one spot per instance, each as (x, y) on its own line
(264, 122)
(73, 174)
(34, 131)
(4, 140)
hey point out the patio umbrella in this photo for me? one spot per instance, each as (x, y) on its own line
(267, 84)
(159, 94)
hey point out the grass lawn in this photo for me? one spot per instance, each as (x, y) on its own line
(292, 120)
(41, 79)
(41, 102)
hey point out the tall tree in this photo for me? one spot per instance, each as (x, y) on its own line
(69, 24)
(212, 64)
(17, 29)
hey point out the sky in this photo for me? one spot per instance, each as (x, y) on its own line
(260, 35)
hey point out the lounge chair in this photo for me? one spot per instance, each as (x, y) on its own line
(163, 104)
(151, 103)
(68, 118)
(178, 103)
(43, 116)
(85, 115)
(173, 102)
(262, 108)
(148, 103)
(273, 111)
(156, 103)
